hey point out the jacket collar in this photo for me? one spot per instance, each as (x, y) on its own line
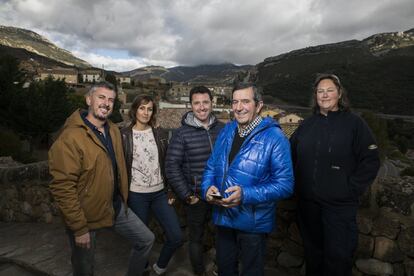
(189, 119)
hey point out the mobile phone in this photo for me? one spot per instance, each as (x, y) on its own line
(217, 196)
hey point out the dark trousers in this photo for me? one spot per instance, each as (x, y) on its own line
(197, 218)
(157, 203)
(232, 244)
(128, 225)
(330, 237)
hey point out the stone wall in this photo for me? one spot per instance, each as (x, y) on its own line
(385, 220)
(386, 232)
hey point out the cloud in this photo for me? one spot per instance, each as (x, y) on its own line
(119, 64)
(192, 32)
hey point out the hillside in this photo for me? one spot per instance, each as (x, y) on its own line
(378, 72)
(221, 73)
(32, 42)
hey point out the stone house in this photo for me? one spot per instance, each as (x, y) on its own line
(179, 90)
(289, 118)
(123, 79)
(69, 75)
(91, 75)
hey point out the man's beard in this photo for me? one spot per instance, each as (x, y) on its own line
(99, 117)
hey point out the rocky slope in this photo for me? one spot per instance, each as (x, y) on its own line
(32, 42)
(378, 72)
(220, 73)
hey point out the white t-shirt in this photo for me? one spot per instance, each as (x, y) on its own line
(146, 171)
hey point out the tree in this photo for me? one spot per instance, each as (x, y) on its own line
(40, 109)
(116, 116)
(11, 83)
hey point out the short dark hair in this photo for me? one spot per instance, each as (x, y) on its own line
(343, 102)
(200, 90)
(257, 92)
(101, 84)
(136, 103)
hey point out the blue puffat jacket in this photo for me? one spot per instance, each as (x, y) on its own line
(262, 168)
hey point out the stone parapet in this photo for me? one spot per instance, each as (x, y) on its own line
(23, 173)
(385, 222)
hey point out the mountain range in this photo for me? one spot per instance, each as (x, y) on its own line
(218, 73)
(378, 72)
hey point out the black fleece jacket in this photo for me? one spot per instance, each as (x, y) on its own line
(335, 158)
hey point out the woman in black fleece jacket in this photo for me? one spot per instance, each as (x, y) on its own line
(335, 159)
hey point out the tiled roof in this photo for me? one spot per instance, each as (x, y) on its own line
(59, 71)
(289, 128)
(170, 118)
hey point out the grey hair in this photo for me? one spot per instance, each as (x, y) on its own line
(102, 84)
(257, 92)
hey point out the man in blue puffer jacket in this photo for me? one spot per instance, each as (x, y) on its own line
(249, 170)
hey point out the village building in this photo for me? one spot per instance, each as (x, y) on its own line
(69, 75)
(121, 79)
(91, 75)
(289, 118)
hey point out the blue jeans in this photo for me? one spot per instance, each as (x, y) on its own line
(130, 227)
(197, 218)
(157, 202)
(232, 244)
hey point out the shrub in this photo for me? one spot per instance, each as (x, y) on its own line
(10, 144)
(409, 171)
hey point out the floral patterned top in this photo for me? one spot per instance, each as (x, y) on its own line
(146, 171)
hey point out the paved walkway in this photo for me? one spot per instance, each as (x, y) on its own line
(28, 249)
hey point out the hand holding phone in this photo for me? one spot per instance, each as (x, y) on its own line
(217, 196)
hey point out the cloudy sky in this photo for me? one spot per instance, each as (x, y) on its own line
(124, 35)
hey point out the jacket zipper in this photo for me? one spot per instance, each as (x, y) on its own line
(226, 171)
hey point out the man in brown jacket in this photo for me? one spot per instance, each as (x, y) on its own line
(90, 183)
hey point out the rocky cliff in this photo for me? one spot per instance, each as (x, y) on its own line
(32, 42)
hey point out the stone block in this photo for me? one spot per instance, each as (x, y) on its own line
(10, 193)
(387, 250)
(23, 173)
(365, 247)
(364, 223)
(287, 260)
(292, 247)
(7, 215)
(274, 242)
(409, 267)
(396, 194)
(374, 267)
(47, 218)
(386, 226)
(356, 272)
(26, 208)
(365, 199)
(406, 241)
(399, 269)
(294, 233)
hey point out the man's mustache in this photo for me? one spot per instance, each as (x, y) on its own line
(104, 106)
